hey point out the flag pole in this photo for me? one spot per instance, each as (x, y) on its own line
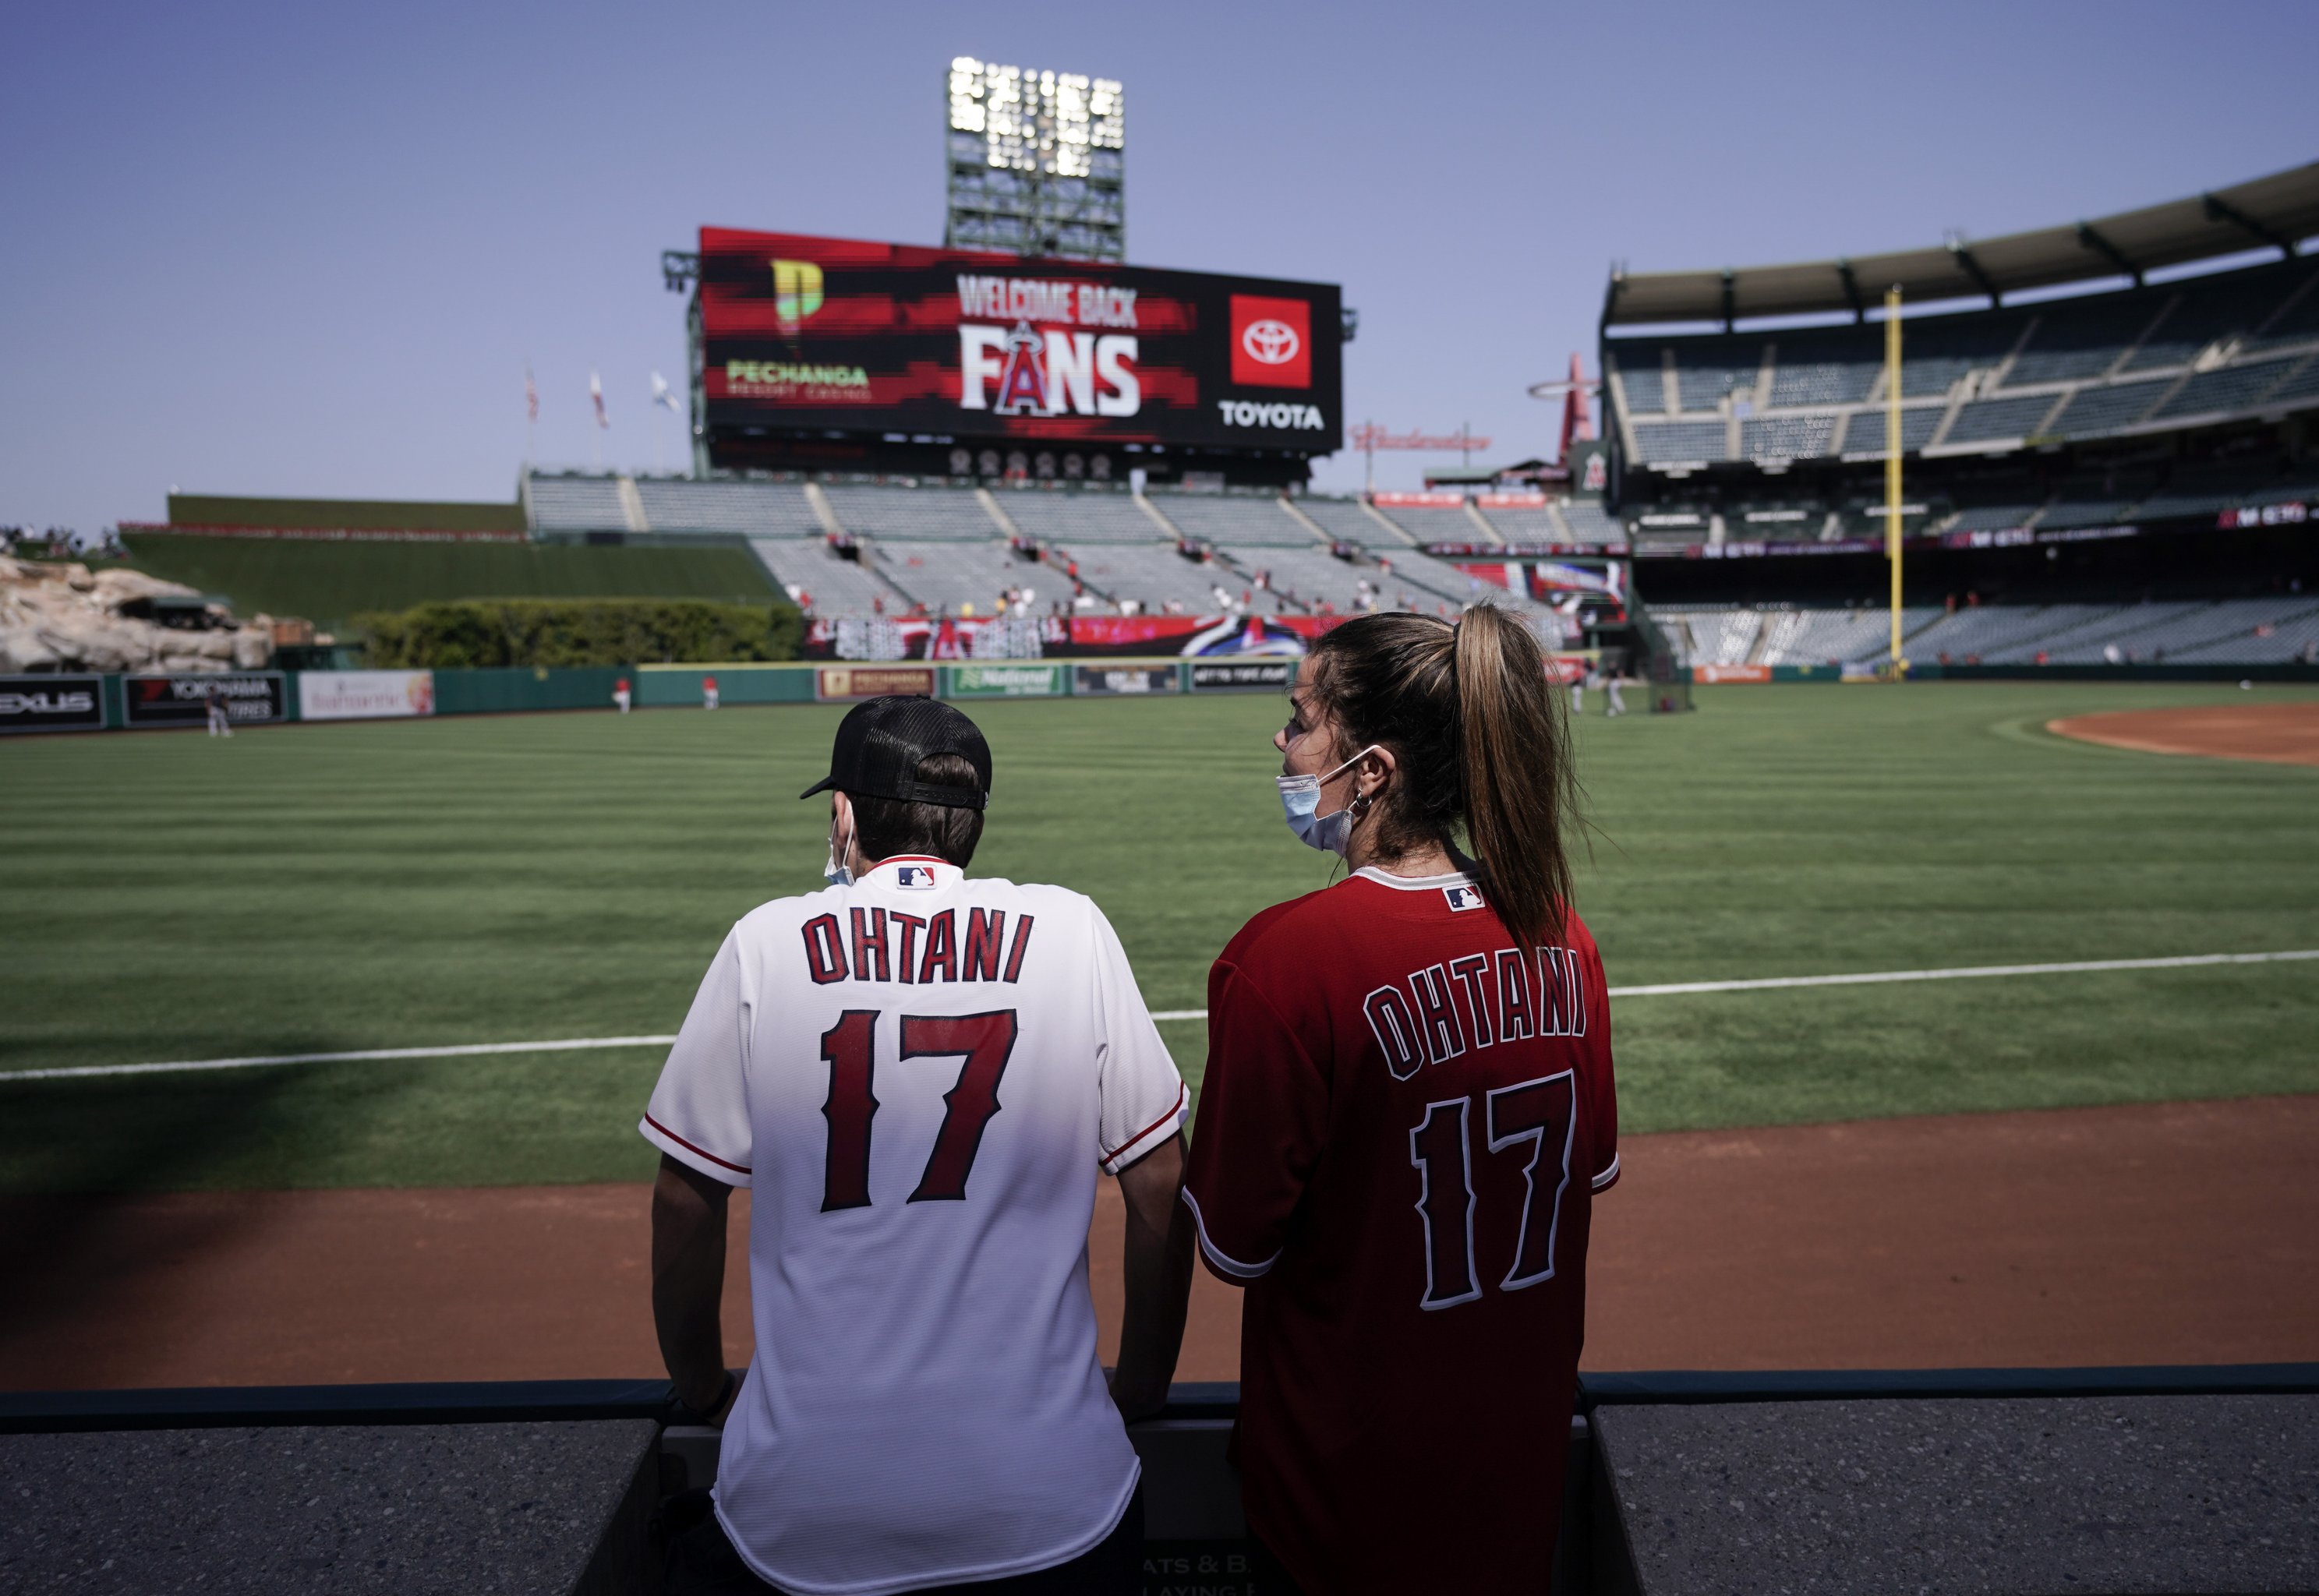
(1893, 458)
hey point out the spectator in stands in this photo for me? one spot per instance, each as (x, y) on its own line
(1410, 1344)
(2043, 657)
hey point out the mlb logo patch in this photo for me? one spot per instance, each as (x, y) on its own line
(1461, 899)
(913, 875)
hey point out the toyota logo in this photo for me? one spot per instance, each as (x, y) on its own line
(1273, 343)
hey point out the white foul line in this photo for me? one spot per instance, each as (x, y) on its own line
(1668, 989)
(460, 1051)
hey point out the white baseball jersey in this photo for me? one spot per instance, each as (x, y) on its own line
(917, 1077)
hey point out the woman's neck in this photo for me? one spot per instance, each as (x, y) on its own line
(1426, 859)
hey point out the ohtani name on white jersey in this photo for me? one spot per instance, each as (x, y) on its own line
(915, 950)
(1477, 1001)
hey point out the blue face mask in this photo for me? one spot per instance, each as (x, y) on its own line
(1300, 800)
(837, 872)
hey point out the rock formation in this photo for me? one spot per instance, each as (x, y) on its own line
(67, 618)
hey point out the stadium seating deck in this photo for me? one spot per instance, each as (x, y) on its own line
(1646, 383)
(1348, 520)
(2250, 631)
(1079, 518)
(2073, 358)
(1311, 575)
(919, 514)
(828, 585)
(1155, 575)
(754, 509)
(1429, 524)
(1235, 518)
(1678, 441)
(1528, 524)
(950, 575)
(1589, 522)
(1828, 636)
(1992, 628)
(2013, 416)
(576, 504)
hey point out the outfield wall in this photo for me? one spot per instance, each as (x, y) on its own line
(58, 703)
(1747, 675)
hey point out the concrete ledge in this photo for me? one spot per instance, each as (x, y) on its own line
(545, 1508)
(2088, 1494)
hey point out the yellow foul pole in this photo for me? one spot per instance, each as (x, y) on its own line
(1892, 457)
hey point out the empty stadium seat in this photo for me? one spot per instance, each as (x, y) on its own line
(752, 509)
(1080, 516)
(922, 514)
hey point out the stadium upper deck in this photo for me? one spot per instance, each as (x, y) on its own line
(2235, 346)
(862, 548)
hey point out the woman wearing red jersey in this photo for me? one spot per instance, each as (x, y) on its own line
(1407, 1111)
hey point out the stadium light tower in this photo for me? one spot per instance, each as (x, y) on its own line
(1037, 162)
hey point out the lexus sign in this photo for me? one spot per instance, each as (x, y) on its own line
(52, 704)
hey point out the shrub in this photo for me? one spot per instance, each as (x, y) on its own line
(482, 632)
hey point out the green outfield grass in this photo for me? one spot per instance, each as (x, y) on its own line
(332, 583)
(324, 887)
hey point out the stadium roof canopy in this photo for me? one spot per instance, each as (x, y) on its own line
(2275, 211)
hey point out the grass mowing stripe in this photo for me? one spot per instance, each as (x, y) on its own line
(332, 887)
(1669, 990)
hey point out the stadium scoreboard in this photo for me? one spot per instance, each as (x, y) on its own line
(1074, 366)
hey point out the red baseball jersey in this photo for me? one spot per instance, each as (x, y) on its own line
(1404, 1122)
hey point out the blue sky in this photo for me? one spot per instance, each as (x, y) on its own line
(308, 249)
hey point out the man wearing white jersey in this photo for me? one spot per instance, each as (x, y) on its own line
(917, 1075)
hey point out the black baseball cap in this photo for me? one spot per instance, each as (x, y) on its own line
(881, 741)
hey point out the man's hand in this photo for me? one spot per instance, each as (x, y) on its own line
(1159, 1257)
(688, 1288)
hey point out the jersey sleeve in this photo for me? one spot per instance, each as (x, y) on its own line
(699, 1113)
(1602, 1088)
(1263, 1120)
(1142, 1096)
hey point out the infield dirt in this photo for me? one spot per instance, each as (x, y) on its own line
(2271, 734)
(2175, 1234)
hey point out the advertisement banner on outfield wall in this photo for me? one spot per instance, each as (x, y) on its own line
(1030, 680)
(813, 334)
(1242, 676)
(51, 703)
(1727, 674)
(1133, 681)
(840, 684)
(252, 698)
(364, 695)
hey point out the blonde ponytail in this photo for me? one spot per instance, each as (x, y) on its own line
(1478, 737)
(1515, 759)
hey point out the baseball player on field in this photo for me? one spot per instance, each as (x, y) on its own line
(917, 1073)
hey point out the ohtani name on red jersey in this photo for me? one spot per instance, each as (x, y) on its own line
(1477, 1001)
(888, 945)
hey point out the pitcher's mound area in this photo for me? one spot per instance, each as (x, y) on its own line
(2275, 734)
